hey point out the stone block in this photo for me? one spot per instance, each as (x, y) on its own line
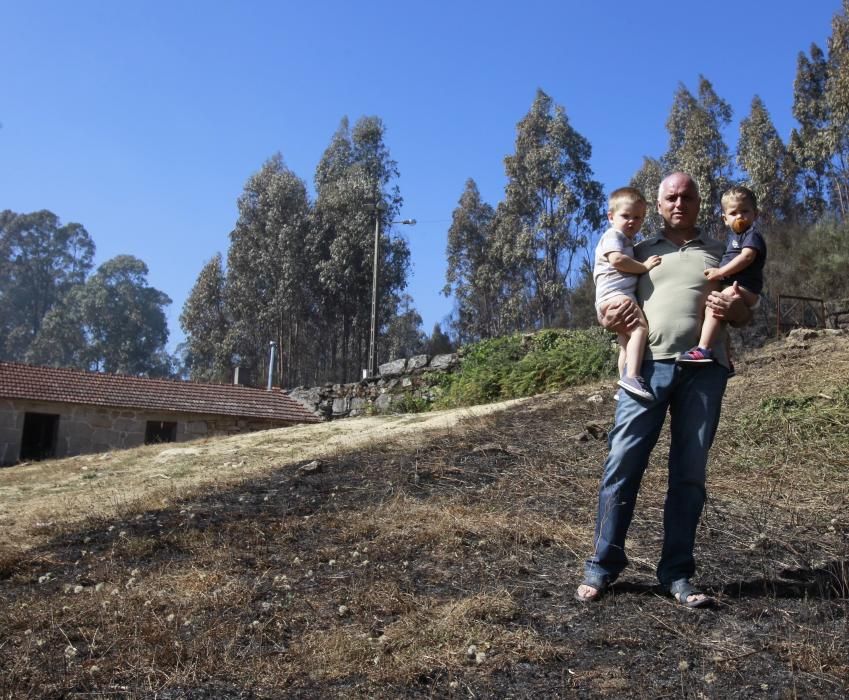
(125, 424)
(100, 420)
(383, 402)
(393, 368)
(417, 362)
(196, 428)
(105, 437)
(310, 398)
(8, 419)
(802, 334)
(10, 438)
(10, 435)
(446, 361)
(341, 406)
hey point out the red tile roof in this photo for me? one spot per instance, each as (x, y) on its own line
(20, 381)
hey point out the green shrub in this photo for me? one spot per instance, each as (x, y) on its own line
(407, 403)
(527, 364)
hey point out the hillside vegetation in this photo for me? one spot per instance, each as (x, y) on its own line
(441, 563)
(524, 364)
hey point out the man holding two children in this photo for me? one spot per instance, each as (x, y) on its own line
(674, 296)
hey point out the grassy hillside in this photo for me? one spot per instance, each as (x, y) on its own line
(441, 563)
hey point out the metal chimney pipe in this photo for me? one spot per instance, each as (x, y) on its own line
(273, 347)
(236, 376)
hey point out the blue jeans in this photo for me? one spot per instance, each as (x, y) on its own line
(693, 396)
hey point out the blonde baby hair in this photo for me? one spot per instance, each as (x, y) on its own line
(623, 196)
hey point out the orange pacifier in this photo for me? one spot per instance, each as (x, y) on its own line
(739, 225)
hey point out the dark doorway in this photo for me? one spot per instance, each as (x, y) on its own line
(160, 431)
(38, 440)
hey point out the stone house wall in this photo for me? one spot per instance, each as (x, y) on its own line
(88, 429)
(401, 386)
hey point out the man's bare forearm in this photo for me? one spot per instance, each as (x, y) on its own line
(730, 308)
(621, 317)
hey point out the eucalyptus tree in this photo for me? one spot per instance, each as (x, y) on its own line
(837, 103)
(647, 180)
(473, 274)
(552, 205)
(61, 341)
(769, 168)
(115, 322)
(404, 336)
(41, 261)
(582, 311)
(268, 272)
(696, 146)
(355, 188)
(808, 143)
(342, 232)
(124, 319)
(514, 289)
(205, 323)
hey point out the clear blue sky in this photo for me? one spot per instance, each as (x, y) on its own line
(143, 120)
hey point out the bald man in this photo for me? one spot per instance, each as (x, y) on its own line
(673, 296)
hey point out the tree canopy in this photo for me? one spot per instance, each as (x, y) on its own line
(511, 267)
(41, 260)
(696, 146)
(52, 312)
(299, 272)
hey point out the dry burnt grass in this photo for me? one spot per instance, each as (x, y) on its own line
(448, 569)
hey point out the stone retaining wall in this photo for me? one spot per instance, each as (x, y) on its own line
(401, 386)
(837, 312)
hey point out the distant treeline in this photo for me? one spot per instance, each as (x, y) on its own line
(55, 311)
(526, 263)
(299, 273)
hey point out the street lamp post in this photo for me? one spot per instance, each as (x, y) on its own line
(372, 367)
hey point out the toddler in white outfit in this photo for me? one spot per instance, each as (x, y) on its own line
(615, 274)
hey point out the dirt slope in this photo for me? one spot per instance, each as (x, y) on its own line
(442, 564)
(35, 495)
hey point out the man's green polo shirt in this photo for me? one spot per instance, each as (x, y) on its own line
(673, 295)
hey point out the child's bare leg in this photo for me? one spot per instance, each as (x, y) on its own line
(749, 298)
(711, 325)
(620, 362)
(710, 329)
(636, 347)
(633, 382)
(631, 346)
